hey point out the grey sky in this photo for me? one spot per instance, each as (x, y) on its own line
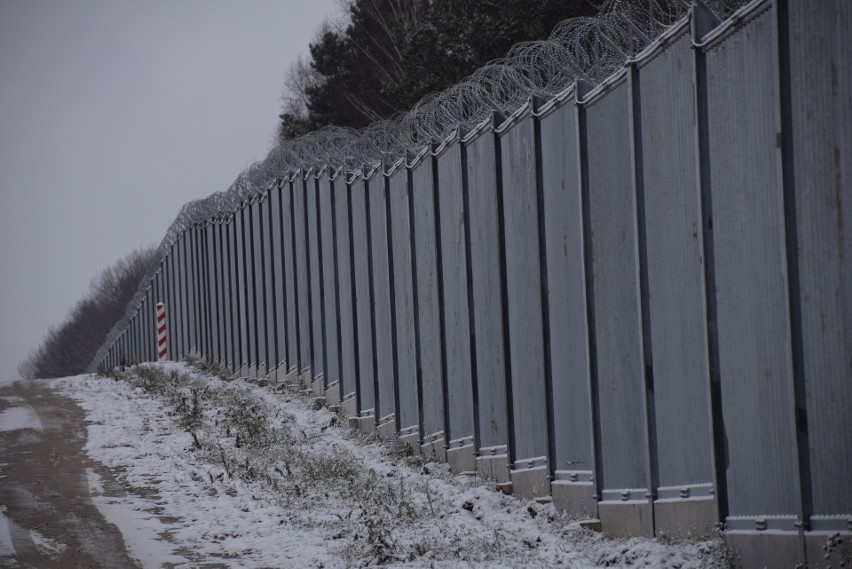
(112, 115)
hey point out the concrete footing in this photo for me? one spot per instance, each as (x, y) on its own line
(434, 450)
(531, 483)
(387, 428)
(682, 518)
(575, 498)
(292, 376)
(305, 378)
(626, 518)
(332, 395)
(365, 424)
(462, 458)
(768, 548)
(411, 439)
(493, 467)
(318, 387)
(244, 371)
(261, 371)
(350, 408)
(827, 549)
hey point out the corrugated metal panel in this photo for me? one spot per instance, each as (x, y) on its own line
(271, 301)
(674, 248)
(569, 342)
(348, 372)
(428, 309)
(210, 232)
(381, 274)
(242, 341)
(288, 257)
(821, 83)
(180, 305)
(248, 286)
(329, 278)
(214, 293)
(363, 302)
(233, 295)
(267, 262)
(615, 267)
(314, 258)
(278, 270)
(523, 288)
(455, 290)
(751, 276)
(257, 276)
(224, 303)
(487, 303)
(302, 274)
(403, 281)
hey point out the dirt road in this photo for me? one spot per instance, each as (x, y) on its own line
(45, 502)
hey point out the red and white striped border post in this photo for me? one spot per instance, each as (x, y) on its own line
(161, 332)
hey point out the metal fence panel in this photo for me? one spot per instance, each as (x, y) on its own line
(363, 303)
(288, 259)
(259, 276)
(243, 322)
(302, 274)
(272, 298)
(329, 280)
(822, 141)
(195, 274)
(224, 293)
(523, 290)
(180, 261)
(216, 351)
(487, 295)
(277, 224)
(249, 350)
(403, 281)
(455, 294)
(569, 342)
(615, 266)
(258, 308)
(382, 308)
(348, 368)
(751, 275)
(233, 293)
(315, 261)
(428, 307)
(212, 309)
(674, 246)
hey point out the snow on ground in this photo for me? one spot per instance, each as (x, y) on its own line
(207, 470)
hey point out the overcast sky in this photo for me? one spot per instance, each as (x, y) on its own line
(112, 115)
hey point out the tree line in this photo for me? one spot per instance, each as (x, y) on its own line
(388, 54)
(68, 348)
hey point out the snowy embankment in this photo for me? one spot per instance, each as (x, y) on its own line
(204, 469)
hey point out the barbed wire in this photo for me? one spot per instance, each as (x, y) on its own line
(585, 48)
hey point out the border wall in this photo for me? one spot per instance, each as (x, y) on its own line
(633, 299)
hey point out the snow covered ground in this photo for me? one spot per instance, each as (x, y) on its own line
(195, 469)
